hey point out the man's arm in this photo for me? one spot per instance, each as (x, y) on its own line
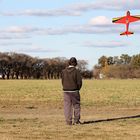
(79, 79)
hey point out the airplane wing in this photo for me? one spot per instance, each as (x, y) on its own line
(119, 20)
(124, 19)
(134, 18)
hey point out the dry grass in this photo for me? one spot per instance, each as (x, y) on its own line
(33, 110)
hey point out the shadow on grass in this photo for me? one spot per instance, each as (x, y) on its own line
(111, 119)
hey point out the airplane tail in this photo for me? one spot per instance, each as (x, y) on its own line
(127, 33)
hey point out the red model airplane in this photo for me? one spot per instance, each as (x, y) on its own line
(126, 20)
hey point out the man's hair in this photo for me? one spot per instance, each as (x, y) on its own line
(73, 61)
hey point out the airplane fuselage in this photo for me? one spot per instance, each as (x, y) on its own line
(127, 20)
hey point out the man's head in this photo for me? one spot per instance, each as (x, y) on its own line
(73, 61)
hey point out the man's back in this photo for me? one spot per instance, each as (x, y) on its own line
(71, 79)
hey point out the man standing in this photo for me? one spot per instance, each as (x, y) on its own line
(72, 83)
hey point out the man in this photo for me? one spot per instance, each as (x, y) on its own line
(72, 83)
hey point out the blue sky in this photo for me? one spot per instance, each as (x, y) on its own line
(66, 28)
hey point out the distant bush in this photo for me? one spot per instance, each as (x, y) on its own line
(122, 67)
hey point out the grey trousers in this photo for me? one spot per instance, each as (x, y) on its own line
(72, 104)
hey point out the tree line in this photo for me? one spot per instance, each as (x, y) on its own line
(22, 66)
(122, 67)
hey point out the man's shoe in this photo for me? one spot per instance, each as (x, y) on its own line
(77, 122)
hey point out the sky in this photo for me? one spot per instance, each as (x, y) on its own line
(67, 28)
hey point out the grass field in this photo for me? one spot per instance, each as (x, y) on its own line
(33, 110)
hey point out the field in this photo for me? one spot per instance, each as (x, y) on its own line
(33, 110)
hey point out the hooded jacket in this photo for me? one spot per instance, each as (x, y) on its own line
(71, 79)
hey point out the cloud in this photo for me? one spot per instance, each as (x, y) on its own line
(28, 48)
(15, 43)
(36, 49)
(42, 13)
(107, 5)
(17, 32)
(20, 29)
(100, 20)
(27, 33)
(96, 25)
(102, 44)
(11, 36)
(76, 9)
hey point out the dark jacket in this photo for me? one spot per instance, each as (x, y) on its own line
(71, 79)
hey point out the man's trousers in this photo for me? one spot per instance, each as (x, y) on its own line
(72, 105)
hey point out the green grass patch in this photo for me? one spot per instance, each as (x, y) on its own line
(93, 92)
